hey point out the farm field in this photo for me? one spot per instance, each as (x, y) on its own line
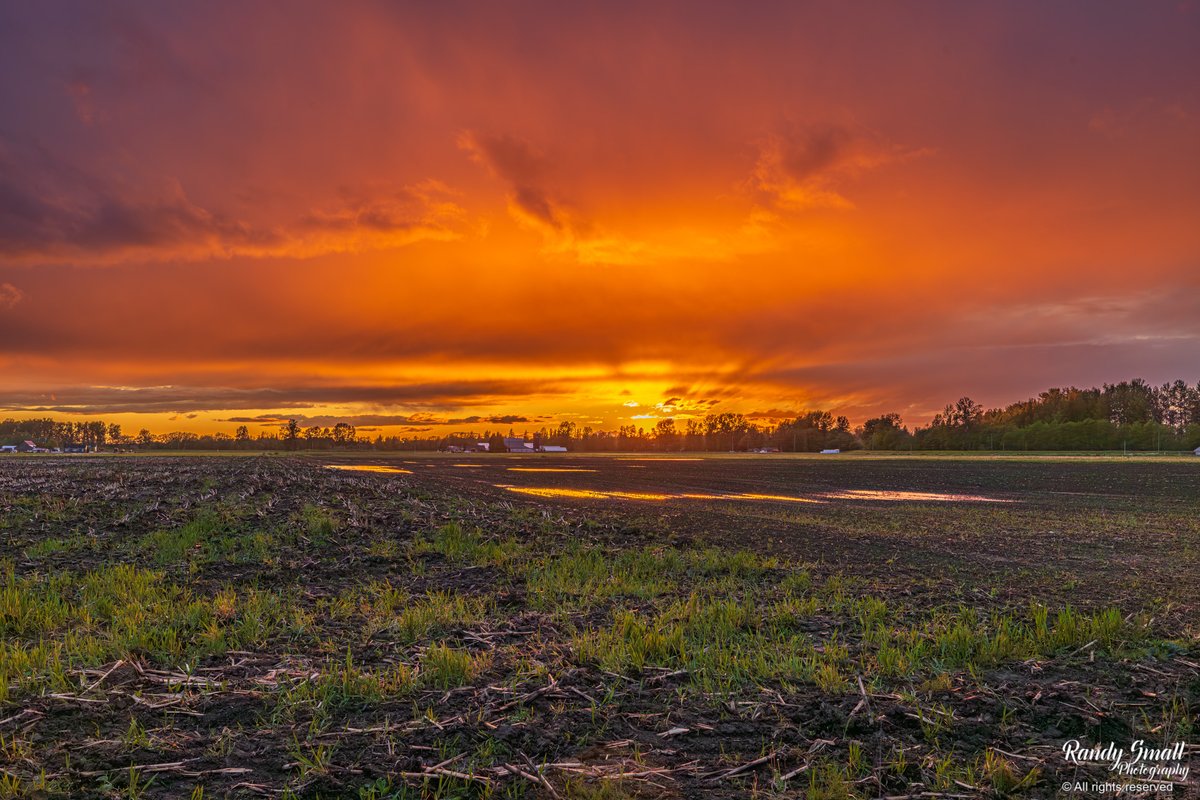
(591, 627)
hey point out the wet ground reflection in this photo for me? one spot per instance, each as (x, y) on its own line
(369, 468)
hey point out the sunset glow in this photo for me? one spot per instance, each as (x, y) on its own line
(419, 218)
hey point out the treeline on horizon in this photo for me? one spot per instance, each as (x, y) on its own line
(1131, 415)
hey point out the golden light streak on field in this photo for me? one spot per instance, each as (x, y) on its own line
(900, 496)
(369, 468)
(549, 469)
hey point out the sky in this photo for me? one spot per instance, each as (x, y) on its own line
(425, 217)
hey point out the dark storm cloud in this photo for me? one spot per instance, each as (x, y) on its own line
(182, 399)
(361, 420)
(809, 152)
(517, 164)
(61, 214)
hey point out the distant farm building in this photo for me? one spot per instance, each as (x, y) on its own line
(514, 445)
(8, 448)
(833, 452)
(29, 447)
(1197, 451)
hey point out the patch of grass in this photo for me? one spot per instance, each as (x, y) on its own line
(170, 546)
(470, 546)
(56, 544)
(583, 572)
(391, 613)
(135, 736)
(445, 667)
(50, 624)
(347, 686)
(319, 523)
(966, 641)
(1005, 779)
(592, 575)
(830, 781)
(721, 643)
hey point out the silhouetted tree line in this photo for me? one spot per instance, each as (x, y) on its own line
(1131, 415)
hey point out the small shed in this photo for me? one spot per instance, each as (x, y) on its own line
(1197, 451)
(833, 452)
(553, 448)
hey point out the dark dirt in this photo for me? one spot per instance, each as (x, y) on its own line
(1091, 534)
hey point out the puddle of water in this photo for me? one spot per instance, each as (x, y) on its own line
(595, 494)
(537, 492)
(369, 468)
(900, 496)
(640, 496)
(779, 497)
(469, 466)
(549, 469)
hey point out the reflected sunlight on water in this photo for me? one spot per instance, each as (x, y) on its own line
(541, 492)
(596, 494)
(848, 494)
(780, 497)
(887, 494)
(369, 468)
(549, 469)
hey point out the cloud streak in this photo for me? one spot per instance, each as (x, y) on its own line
(89, 222)
(184, 399)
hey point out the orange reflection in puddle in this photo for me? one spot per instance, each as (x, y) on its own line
(935, 497)
(537, 492)
(549, 469)
(369, 468)
(469, 466)
(779, 497)
(594, 494)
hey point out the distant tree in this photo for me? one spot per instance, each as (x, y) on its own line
(886, 432)
(291, 432)
(343, 434)
(1130, 402)
(665, 434)
(564, 435)
(966, 413)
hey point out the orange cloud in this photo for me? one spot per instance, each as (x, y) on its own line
(508, 214)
